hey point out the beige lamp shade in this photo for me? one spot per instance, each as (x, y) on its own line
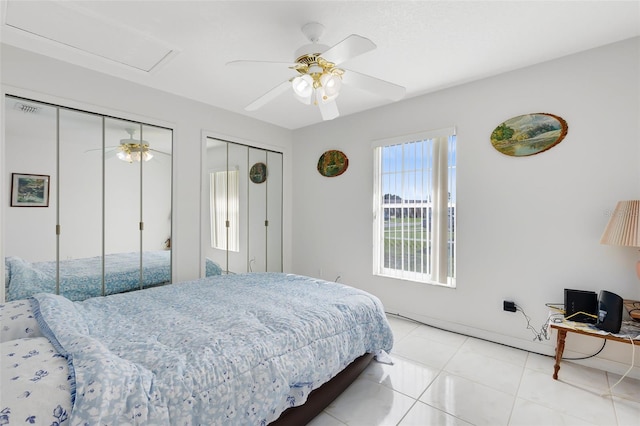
(623, 228)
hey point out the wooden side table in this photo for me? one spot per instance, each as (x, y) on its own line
(563, 329)
(633, 307)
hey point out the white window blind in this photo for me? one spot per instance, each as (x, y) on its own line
(225, 210)
(415, 207)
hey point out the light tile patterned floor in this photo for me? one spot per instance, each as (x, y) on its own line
(442, 378)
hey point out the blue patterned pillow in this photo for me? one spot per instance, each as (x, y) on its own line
(212, 268)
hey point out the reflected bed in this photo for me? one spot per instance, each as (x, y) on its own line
(82, 278)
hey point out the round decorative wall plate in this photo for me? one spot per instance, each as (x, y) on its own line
(258, 173)
(529, 134)
(332, 163)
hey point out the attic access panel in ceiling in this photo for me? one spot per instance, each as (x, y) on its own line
(89, 33)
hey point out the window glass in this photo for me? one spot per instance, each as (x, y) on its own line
(415, 208)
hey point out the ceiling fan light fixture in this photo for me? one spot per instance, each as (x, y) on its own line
(131, 152)
(305, 100)
(315, 69)
(331, 84)
(303, 86)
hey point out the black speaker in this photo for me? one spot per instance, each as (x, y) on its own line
(576, 301)
(609, 312)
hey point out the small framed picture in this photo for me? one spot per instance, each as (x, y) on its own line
(258, 173)
(29, 190)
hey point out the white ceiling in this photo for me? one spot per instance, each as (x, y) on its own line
(421, 45)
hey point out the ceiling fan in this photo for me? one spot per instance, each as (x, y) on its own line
(130, 149)
(319, 77)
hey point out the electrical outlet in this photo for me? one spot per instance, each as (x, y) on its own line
(509, 306)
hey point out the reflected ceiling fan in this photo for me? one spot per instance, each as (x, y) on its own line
(319, 77)
(130, 149)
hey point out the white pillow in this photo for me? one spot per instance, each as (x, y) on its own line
(17, 321)
(34, 380)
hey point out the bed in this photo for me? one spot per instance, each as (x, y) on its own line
(246, 349)
(82, 278)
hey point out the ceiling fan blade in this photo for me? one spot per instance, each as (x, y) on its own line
(251, 63)
(348, 48)
(155, 151)
(329, 110)
(105, 149)
(269, 96)
(110, 153)
(374, 85)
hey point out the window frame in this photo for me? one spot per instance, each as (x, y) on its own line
(441, 233)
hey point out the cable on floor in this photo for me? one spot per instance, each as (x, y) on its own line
(633, 356)
(588, 356)
(491, 341)
(463, 334)
(608, 392)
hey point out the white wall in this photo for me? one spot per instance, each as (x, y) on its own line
(527, 227)
(37, 77)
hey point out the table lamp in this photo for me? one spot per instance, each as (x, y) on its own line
(623, 228)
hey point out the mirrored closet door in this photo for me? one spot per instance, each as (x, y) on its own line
(244, 208)
(89, 211)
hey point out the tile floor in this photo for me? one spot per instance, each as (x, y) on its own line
(442, 378)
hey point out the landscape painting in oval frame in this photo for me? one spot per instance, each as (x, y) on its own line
(332, 163)
(529, 134)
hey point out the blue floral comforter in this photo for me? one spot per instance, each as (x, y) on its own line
(232, 349)
(82, 278)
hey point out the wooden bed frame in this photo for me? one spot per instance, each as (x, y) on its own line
(320, 398)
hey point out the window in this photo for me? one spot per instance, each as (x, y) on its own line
(415, 207)
(225, 210)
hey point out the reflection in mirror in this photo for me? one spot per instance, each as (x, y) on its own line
(224, 206)
(244, 209)
(227, 169)
(122, 198)
(107, 225)
(257, 214)
(29, 232)
(274, 211)
(79, 181)
(224, 201)
(156, 204)
(138, 201)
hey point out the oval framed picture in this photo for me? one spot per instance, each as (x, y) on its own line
(258, 173)
(529, 134)
(332, 163)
